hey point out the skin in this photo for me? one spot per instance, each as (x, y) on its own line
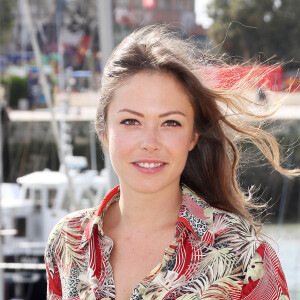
(150, 123)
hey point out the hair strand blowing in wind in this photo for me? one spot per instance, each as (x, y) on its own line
(223, 117)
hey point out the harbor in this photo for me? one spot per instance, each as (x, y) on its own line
(52, 162)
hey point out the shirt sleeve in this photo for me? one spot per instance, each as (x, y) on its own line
(54, 290)
(264, 278)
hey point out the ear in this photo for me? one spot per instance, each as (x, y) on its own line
(104, 139)
(194, 141)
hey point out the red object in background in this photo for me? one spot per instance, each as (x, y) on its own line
(292, 84)
(149, 3)
(226, 77)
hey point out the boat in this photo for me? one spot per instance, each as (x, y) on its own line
(30, 209)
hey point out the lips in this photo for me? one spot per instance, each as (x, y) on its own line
(149, 167)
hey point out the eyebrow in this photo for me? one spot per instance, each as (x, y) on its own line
(173, 112)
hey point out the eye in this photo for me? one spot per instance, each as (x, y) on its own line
(172, 123)
(130, 122)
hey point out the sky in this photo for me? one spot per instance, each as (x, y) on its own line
(201, 14)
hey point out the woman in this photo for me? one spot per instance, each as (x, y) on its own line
(178, 226)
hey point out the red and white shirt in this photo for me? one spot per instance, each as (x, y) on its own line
(215, 255)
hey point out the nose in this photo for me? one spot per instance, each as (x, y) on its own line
(150, 139)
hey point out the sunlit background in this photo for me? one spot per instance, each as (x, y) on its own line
(52, 53)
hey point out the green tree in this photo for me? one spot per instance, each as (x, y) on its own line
(6, 19)
(257, 28)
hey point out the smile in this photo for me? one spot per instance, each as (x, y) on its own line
(149, 165)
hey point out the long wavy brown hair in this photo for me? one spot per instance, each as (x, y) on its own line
(223, 116)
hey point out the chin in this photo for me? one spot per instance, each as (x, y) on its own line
(150, 187)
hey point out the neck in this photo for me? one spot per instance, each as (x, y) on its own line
(148, 210)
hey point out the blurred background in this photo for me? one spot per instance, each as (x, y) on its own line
(52, 53)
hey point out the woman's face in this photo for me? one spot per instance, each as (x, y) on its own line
(150, 132)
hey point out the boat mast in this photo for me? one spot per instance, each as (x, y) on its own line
(46, 91)
(1, 223)
(106, 44)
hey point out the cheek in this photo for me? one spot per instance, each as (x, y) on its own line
(180, 145)
(119, 144)
(117, 151)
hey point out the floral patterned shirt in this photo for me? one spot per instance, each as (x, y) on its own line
(215, 255)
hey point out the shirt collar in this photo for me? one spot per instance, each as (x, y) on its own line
(195, 214)
(97, 219)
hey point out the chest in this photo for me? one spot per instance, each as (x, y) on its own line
(136, 268)
(133, 258)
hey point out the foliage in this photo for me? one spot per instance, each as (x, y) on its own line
(6, 19)
(257, 29)
(16, 89)
(3, 81)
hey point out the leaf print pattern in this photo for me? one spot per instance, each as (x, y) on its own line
(215, 255)
(255, 270)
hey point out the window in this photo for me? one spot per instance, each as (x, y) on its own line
(51, 197)
(37, 200)
(164, 4)
(37, 195)
(20, 225)
(27, 194)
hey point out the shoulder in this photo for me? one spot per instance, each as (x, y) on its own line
(237, 234)
(264, 276)
(259, 264)
(76, 220)
(62, 250)
(72, 225)
(237, 227)
(205, 220)
(237, 251)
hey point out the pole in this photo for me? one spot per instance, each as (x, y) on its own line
(284, 194)
(1, 179)
(46, 91)
(59, 19)
(106, 40)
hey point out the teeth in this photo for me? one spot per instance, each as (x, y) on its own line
(149, 166)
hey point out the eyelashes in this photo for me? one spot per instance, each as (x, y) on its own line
(134, 122)
(172, 123)
(130, 122)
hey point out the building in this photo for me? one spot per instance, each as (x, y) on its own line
(131, 14)
(69, 29)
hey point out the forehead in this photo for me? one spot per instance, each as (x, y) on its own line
(152, 90)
